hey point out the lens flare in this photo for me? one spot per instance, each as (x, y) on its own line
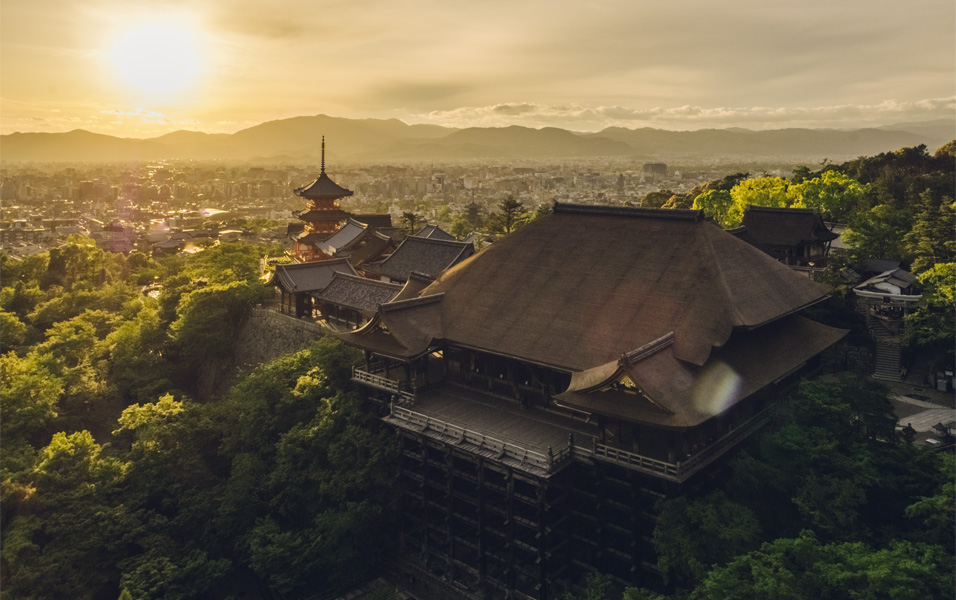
(717, 388)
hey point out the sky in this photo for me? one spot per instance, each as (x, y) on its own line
(142, 69)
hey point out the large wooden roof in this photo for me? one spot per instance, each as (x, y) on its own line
(579, 287)
(575, 289)
(674, 394)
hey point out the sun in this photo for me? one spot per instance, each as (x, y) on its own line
(157, 58)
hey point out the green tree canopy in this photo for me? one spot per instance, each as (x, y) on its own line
(834, 194)
(803, 567)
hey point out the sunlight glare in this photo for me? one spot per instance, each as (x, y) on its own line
(157, 58)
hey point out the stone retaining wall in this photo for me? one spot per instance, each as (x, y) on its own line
(268, 335)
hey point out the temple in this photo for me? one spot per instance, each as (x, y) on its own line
(549, 390)
(796, 237)
(323, 216)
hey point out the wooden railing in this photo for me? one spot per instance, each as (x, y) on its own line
(499, 449)
(382, 383)
(639, 461)
(680, 471)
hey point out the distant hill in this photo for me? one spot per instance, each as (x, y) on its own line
(299, 138)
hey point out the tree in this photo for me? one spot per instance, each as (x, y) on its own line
(802, 567)
(760, 191)
(208, 320)
(68, 543)
(29, 399)
(509, 213)
(716, 204)
(461, 227)
(693, 535)
(878, 233)
(411, 219)
(933, 323)
(834, 194)
(932, 240)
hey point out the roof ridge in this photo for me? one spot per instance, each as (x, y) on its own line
(411, 302)
(365, 280)
(436, 241)
(676, 214)
(728, 292)
(315, 262)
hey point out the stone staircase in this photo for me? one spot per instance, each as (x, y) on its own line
(888, 352)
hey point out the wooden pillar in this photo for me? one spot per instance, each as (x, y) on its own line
(510, 532)
(449, 510)
(541, 539)
(482, 544)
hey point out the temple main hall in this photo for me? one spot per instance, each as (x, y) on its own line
(549, 390)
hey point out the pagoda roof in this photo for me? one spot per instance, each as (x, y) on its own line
(575, 289)
(310, 276)
(359, 293)
(772, 226)
(424, 255)
(312, 215)
(322, 188)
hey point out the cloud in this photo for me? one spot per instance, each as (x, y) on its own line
(690, 117)
(136, 113)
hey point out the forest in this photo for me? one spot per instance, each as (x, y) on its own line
(138, 462)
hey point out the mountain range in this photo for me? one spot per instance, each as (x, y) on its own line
(299, 139)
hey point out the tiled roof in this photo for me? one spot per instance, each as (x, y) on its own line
(323, 188)
(577, 288)
(768, 226)
(699, 318)
(310, 215)
(310, 276)
(424, 255)
(359, 293)
(435, 232)
(350, 234)
(375, 221)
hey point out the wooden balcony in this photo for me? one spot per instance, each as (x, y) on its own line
(378, 382)
(683, 470)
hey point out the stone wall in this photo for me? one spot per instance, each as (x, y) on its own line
(268, 335)
(844, 356)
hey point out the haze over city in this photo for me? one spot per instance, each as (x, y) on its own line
(145, 70)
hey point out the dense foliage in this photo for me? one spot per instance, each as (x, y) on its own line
(122, 474)
(831, 505)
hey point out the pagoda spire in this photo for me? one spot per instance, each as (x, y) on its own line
(322, 172)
